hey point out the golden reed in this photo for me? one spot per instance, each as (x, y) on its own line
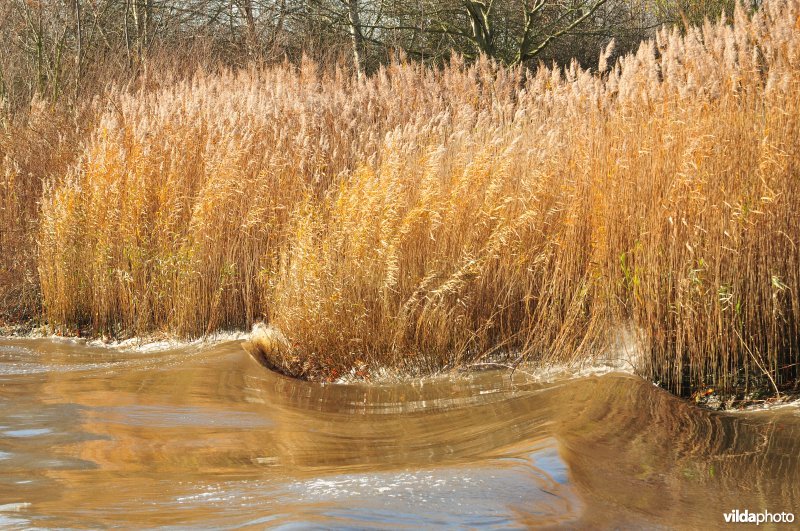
(428, 218)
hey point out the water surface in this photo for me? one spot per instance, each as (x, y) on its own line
(206, 437)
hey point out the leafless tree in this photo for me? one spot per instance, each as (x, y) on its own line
(60, 49)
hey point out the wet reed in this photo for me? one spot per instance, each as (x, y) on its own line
(425, 219)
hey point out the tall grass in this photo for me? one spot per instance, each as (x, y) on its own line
(34, 148)
(430, 218)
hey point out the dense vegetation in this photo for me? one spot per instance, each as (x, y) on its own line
(67, 51)
(423, 217)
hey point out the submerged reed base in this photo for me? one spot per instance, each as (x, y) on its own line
(426, 219)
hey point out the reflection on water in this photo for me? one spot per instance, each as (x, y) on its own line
(93, 437)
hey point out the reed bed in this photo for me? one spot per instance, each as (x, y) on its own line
(431, 218)
(34, 149)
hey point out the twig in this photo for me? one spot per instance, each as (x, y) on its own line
(768, 375)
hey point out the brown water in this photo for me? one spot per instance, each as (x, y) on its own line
(206, 437)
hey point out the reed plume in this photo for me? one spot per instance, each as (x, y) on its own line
(431, 218)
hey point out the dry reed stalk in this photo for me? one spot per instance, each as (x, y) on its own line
(34, 148)
(429, 218)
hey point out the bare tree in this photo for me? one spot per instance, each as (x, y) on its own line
(354, 17)
(49, 45)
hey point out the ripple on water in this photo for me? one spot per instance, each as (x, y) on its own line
(210, 438)
(35, 432)
(501, 493)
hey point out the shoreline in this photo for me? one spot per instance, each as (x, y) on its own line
(155, 342)
(377, 376)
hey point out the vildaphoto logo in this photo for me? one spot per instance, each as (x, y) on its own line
(764, 517)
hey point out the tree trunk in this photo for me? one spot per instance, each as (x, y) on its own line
(250, 21)
(481, 26)
(357, 35)
(79, 50)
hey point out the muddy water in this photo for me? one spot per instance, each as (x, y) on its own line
(205, 437)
